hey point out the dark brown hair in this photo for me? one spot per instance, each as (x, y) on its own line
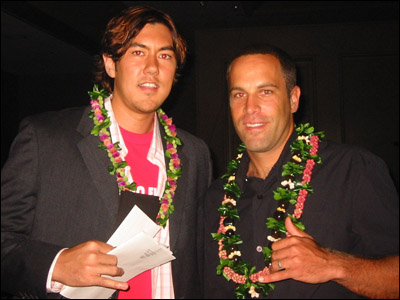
(122, 29)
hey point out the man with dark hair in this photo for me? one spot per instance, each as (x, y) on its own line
(72, 176)
(295, 216)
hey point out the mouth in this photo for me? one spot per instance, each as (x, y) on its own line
(149, 85)
(254, 125)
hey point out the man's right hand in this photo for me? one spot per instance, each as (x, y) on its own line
(84, 264)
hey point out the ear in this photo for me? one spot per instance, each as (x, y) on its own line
(295, 98)
(109, 64)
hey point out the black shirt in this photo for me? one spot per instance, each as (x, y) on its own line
(354, 209)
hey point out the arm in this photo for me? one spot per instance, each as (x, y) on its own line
(84, 264)
(26, 260)
(304, 260)
(377, 279)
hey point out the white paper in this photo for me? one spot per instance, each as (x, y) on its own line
(136, 250)
(135, 222)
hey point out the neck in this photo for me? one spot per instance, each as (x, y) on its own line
(261, 163)
(130, 120)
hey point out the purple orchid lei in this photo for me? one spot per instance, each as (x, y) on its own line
(102, 122)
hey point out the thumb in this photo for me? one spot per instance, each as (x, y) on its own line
(293, 229)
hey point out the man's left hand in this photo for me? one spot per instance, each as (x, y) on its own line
(299, 257)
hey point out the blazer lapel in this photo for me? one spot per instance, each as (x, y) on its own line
(97, 162)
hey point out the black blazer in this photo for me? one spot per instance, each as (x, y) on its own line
(56, 192)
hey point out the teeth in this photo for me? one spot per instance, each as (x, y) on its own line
(149, 85)
(254, 125)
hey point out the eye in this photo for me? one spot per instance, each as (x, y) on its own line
(267, 92)
(137, 52)
(238, 95)
(165, 56)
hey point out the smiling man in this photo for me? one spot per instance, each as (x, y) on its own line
(72, 176)
(295, 217)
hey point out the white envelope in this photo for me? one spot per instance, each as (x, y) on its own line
(136, 250)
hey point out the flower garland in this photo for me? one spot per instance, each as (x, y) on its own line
(102, 121)
(303, 151)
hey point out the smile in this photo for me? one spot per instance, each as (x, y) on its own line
(149, 85)
(254, 125)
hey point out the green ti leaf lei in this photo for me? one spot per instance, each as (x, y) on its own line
(292, 191)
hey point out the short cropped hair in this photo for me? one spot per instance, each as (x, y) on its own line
(120, 32)
(288, 65)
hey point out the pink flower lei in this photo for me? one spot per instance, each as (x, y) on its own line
(102, 122)
(304, 150)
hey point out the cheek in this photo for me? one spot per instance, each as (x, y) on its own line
(236, 115)
(169, 73)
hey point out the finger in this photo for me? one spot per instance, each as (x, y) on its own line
(293, 229)
(274, 277)
(112, 284)
(113, 271)
(108, 259)
(279, 266)
(104, 247)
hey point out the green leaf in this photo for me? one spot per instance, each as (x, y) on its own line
(111, 170)
(95, 131)
(226, 277)
(275, 224)
(297, 222)
(233, 188)
(122, 164)
(132, 186)
(101, 146)
(252, 270)
(309, 130)
(283, 193)
(228, 212)
(267, 252)
(233, 240)
(117, 146)
(217, 236)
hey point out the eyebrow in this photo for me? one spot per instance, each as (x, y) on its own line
(267, 85)
(258, 87)
(145, 47)
(235, 88)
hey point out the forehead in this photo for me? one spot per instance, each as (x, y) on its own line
(255, 69)
(259, 62)
(154, 33)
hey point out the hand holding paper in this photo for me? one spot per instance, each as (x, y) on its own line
(136, 250)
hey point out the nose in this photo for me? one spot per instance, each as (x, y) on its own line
(252, 105)
(151, 67)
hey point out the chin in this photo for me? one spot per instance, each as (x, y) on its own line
(256, 146)
(148, 107)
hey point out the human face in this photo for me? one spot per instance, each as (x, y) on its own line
(144, 75)
(261, 109)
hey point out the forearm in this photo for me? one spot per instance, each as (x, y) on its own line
(377, 279)
(24, 270)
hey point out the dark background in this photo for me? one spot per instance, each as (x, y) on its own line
(346, 53)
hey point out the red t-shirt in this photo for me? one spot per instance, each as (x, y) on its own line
(145, 174)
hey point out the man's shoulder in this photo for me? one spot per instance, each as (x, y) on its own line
(59, 121)
(335, 148)
(71, 114)
(346, 154)
(189, 139)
